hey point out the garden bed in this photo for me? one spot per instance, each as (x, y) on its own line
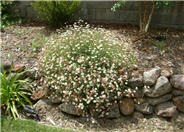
(22, 45)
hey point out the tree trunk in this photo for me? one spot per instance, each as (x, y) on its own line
(145, 14)
(140, 16)
(150, 17)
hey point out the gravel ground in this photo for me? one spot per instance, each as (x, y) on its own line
(152, 123)
(22, 45)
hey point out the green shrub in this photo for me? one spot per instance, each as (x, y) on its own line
(56, 12)
(80, 66)
(9, 17)
(14, 92)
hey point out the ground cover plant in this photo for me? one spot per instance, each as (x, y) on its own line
(14, 92)
(11, 125)
(80, 66)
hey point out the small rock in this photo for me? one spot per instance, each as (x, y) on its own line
(178, 93)
(161, 87)
(177, 81)
(70, 109)
(39, 94)
(126, 106)
(151, 76)
(136, 80)
(144, 108)
(166, 73)
(167, 109)
(114, 112)
(179, 118)
(179, 102)
(139, 93)
(18, 68)
(158, 100)
(138, 115)
(42, 106)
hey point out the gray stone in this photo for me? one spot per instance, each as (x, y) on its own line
(70, 109)
(178, 92)
(166, 73)
(139, 93)
(179, 102)
(126, 106)
(136, 81)
(114, 112)
(179, 118)
(177, 81)
(167, 109)
(161, 87)
(138, 115)
(42, 106)
(144, 108)
(151, 76)
(158, 100)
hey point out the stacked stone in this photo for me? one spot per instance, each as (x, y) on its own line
(158, 92)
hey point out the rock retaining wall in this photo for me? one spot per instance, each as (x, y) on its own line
(155, 93)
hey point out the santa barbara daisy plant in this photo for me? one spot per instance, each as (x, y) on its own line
(80, 66)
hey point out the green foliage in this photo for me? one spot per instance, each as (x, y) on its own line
(80, 66)
(14, 92)
(38, 42)
(161, 45)
(118, 5)
(159, 4)
(162, 4)
(56, 12)
(8, 17)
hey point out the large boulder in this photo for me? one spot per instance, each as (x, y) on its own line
(158, 100)
(70, 109)
(151, 76)
(126, 106)
(166, 109)
(179, 102)
(144, 108)
(161, 87)
(114, 112)
(177, 81)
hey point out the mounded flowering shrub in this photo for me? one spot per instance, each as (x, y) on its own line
(80, 66)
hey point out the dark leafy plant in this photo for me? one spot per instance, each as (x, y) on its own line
(8, 16)
(56, 12)
(14, 92)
